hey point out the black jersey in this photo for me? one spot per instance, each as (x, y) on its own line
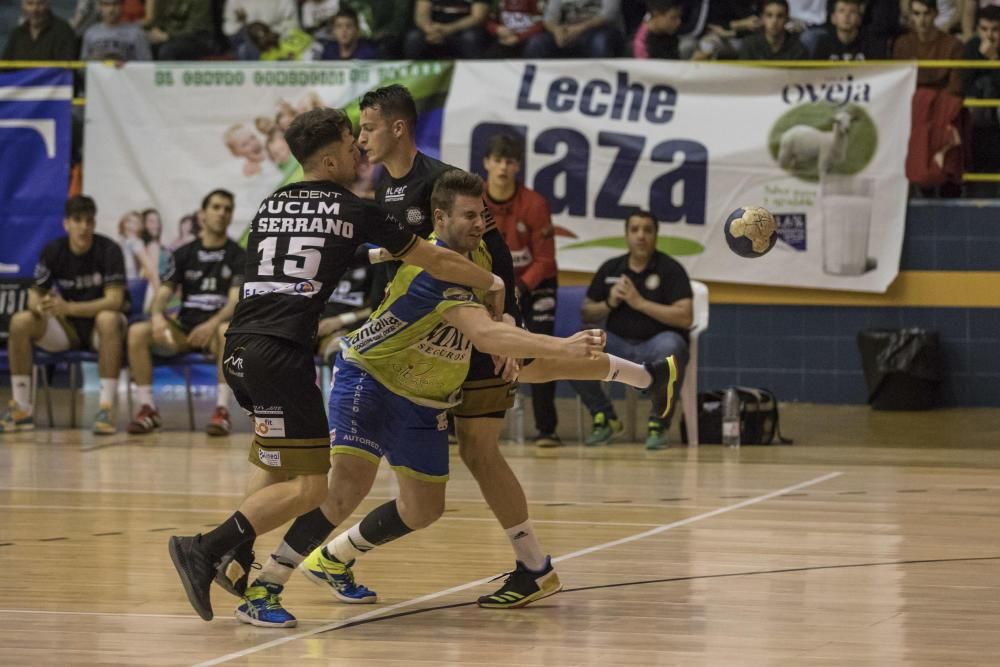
(409, 200)
(82, 277)
(204, 276)
(301, 241)
(351, 292)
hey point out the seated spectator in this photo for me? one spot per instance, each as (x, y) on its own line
(970, 14)
(807, 19)
(774, 42)
(113, 39)
(645, 296)
(281, 16)
(949, 13)
(208, 272)
(927, 42)
(845, 39)
(448, 29)
(85, 15)
(517, 28)
(657, 36)
(984, 83)
(182, 29)
(41, 36)
(583, 28)
(78, 301)
(347, 43)
(295, 45)
(727, 24)
(389, 21)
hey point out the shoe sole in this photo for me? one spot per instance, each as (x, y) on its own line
(19, 429)
(103, 431)
(141, 430)
(216, 431)
(250, 620)
(322, 581)
(548, 444)
(179, 565)
(541, 595)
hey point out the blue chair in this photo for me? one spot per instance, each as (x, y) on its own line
(73, 359)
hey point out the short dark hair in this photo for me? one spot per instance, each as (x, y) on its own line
(345, 13)
(991, 13)
(452, 183)
(663, 6)
(313, 130)
(643, 213)
(217, 191)
(80, 206)
(393, 101)
(856, 3)
(783, 3)
(930, 4)
(505, 146)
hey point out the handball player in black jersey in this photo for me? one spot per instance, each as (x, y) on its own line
(302, 239)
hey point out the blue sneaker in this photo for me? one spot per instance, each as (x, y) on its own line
(262, 607)
(321, 568)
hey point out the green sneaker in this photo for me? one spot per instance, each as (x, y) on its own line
(656, 438)
(603, 430)
(16, 419)
(104, 422)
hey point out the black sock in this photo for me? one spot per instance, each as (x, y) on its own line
(308, 532)
(230, 534)
(383, 524)
(244, 555)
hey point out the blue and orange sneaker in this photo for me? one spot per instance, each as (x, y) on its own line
(320, 567)
(16, 419)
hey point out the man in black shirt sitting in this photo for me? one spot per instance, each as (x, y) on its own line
(845, 39)
(646, 298)
(86, 310)
(209, 272)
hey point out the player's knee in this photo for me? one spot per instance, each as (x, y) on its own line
(313, 490)
(139, 334)
(108, 323)
(477, 453)
(417, 515)
(22, 323)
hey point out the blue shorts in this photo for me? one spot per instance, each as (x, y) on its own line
(369, 421)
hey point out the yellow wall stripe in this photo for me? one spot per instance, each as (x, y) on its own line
(961, 289)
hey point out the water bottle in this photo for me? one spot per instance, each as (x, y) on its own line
(731, 418)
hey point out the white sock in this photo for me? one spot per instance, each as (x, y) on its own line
(222, 398)
(109, 388)
(280, 566)
(144, 394)
(526, 547)
(21, 385)
(349, 545)
(628, 372)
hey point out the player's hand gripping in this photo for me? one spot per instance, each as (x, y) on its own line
(587, 344)
(496, 298)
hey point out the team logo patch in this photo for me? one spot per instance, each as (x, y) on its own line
(414, 216)
(652, 281)
(269, 427)
(269, 458)
(234, 363)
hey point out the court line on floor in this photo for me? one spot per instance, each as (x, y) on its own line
(455, 589)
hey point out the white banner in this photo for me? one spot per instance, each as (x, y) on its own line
(160, 136)
(692, 142)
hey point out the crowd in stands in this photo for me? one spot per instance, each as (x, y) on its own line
(423, 29)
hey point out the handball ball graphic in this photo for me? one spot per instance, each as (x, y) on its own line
(751, 231)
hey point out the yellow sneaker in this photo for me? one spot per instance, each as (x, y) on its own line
(104, 423)
(322, 568)
(16, 419)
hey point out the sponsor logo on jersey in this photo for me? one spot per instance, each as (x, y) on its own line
(375, 331)
(261, 410)
(303, 288)
(445, 342)
(458, 294)
(211, 256)
(414, 216)
(269, 458)
(395, 194)
(269, 427)
(328, 226)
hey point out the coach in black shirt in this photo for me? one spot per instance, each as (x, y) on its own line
(645, 296)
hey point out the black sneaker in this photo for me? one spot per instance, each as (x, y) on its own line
(196, 571)
(522, 587)
(546, 440)
(662, 389)
(233, 571)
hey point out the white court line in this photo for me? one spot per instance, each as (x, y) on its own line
(455, 589)
(91, 508)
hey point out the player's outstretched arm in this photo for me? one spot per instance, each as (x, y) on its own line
(452, 267)
(500, 338)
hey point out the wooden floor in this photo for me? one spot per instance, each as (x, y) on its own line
(874, 540)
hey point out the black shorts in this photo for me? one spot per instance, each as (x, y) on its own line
(275, 380)
(484, 393)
